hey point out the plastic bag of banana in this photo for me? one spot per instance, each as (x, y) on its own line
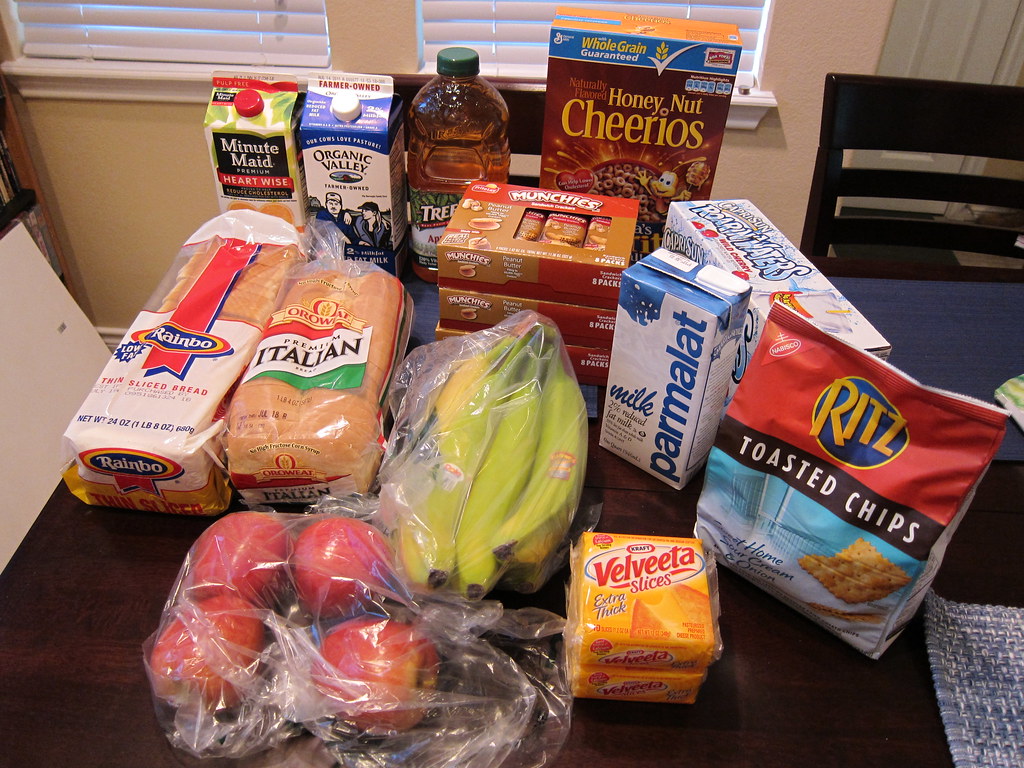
(484, 469)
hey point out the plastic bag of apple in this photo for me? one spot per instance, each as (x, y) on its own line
(295, 632)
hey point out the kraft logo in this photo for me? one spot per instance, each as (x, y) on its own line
(131, 470)
(171, 337)
(856, 424)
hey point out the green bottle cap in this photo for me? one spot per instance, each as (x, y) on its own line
(458, 62)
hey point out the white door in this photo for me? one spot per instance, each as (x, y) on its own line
(979, 41)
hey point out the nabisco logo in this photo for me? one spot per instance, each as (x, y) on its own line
(638, 567)
(784, 346)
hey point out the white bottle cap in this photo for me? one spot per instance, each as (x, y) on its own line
(346, 106)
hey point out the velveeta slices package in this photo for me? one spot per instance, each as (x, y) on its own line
(677, 329)
(735, 236)
(642, 617)
(147, 435)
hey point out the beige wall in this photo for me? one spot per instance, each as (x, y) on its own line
(127, 183)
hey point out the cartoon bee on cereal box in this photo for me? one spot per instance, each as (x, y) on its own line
(669, 187)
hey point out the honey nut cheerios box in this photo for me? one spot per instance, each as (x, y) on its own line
(642, 617)
(636, 107)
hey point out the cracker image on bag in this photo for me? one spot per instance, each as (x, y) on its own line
(857, 574)
(840, 498)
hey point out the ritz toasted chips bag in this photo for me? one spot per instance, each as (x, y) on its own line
(836, 481)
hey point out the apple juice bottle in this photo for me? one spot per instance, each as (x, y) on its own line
(458, 133)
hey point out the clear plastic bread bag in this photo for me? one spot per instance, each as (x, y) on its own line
(287, 625)
(308, 416)
(483, 476)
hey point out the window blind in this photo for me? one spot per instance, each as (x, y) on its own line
(511, 36)
(240, 32)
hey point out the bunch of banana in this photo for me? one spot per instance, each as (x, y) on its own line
(499, 468)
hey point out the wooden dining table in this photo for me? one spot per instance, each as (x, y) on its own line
(87, 586)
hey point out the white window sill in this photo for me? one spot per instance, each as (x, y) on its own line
(190, 83)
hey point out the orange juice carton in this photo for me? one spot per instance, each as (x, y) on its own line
(735, 236)
(590, 364)
(636, 107)
(352, 137)
(642, 617)
(677, 330)
(474, 310)
(542, 244)
(250, 128)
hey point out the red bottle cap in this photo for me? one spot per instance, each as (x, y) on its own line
(249, 102)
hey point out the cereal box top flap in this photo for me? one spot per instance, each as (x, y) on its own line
(349, 103)
(593, 20)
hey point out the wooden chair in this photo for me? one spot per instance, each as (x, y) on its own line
(863, 112)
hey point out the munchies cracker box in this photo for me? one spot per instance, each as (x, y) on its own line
(735, 236)
(636, 107)
(473, 311)
(543, 244)
(642, 617)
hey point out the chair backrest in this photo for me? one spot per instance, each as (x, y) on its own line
(912, 115)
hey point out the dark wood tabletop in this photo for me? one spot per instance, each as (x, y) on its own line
(87, 585)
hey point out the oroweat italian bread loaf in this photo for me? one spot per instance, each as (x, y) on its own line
(307, 417)
(146, 436)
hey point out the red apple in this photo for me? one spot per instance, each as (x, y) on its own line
(243, 552)
(215, 649)
(341, 564)
(375, 666)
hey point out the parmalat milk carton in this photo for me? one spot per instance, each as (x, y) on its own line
(677, 328)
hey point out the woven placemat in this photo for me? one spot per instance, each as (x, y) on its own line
(977, 659)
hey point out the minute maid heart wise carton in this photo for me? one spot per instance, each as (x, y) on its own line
(250, 128)
(636, 107)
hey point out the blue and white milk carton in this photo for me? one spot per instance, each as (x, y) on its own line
(677, 329)
(352, 136)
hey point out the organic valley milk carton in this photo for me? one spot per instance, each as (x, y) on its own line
(735, 236)
(250, 128)
(677, 329)
(353, 149)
